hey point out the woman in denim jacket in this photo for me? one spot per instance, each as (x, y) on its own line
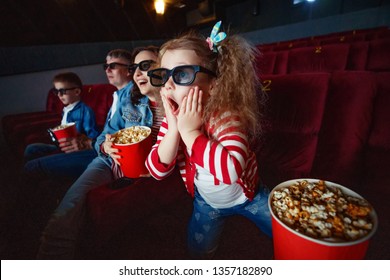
(59, 238)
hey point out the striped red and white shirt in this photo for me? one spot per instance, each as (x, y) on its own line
(223, 151)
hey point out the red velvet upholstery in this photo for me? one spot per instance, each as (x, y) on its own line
(376, 33)
(314, 42)
(345, 127)
(295, 109)
(281, 62)
(318, 59)
(343, 39)
(111, 210)
(377, 152)
(288, 45)
(266, 62)
(382, 34)
(357, 57)
(53, 103)
(99, 98)
(11, 122)
(266, 47)
(20, 137)
(379, 55)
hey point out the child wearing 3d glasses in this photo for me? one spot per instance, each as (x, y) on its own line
(208, 89)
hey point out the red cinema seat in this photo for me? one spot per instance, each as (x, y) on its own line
(357, 57)
(288, 45)
(376, 168)
(281, 62)
(379, 55)
(343, 39)
(265, 62)
(266, 47)
(295, 108)
(326, 58)
(99, 98)
(345, 127)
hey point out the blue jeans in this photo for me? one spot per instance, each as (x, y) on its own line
(206, 223)
(69, 165)
(59, 238)
(38, 150)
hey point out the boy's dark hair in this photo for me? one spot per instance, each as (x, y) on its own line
(136, 95)
(68, 77)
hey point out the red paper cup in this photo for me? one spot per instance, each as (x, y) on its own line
(133, 156)
(292, 245)
(69, 131)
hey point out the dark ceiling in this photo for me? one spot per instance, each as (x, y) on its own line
(46, 22)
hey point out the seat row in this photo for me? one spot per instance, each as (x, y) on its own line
(334, 123)
(331, 38)
(332, 126)
(371, 55)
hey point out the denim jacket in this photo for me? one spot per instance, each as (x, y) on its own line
(84, 117)
(127, 114)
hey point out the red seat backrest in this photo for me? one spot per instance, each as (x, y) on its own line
(99, 98)
(357, 57)
(379, 55)
(265, 47)
(281, 62)
(376, 168)
(53, 103)
(326, 58)
(345, 127)
(294, 110)
(288, 45)
(265, 62)
(343, 39)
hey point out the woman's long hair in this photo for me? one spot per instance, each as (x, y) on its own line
(136, 95)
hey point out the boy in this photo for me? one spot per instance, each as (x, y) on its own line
(77, 151)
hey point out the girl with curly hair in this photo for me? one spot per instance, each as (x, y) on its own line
(208, 90)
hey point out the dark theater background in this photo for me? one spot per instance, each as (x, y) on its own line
(331, 55)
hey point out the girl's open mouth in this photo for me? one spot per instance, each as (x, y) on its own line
(175, 107)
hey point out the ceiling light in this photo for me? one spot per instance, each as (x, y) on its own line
(159, 5)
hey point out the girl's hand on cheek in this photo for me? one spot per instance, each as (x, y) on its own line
(190, 115)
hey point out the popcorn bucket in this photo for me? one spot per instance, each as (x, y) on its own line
(65, 131)
(133, 155)
(290, 244)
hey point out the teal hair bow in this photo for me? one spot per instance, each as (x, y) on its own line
(215, 37)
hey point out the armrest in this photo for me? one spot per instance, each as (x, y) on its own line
(9, 122)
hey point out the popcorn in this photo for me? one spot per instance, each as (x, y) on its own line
(130, 135)
(321, 211)
(62, 126)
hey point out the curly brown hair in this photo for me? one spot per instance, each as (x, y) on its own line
(236, 86)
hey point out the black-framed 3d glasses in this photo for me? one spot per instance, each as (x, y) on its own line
(62, 91)
(143, 65)
(113, 65)
(183, 75)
